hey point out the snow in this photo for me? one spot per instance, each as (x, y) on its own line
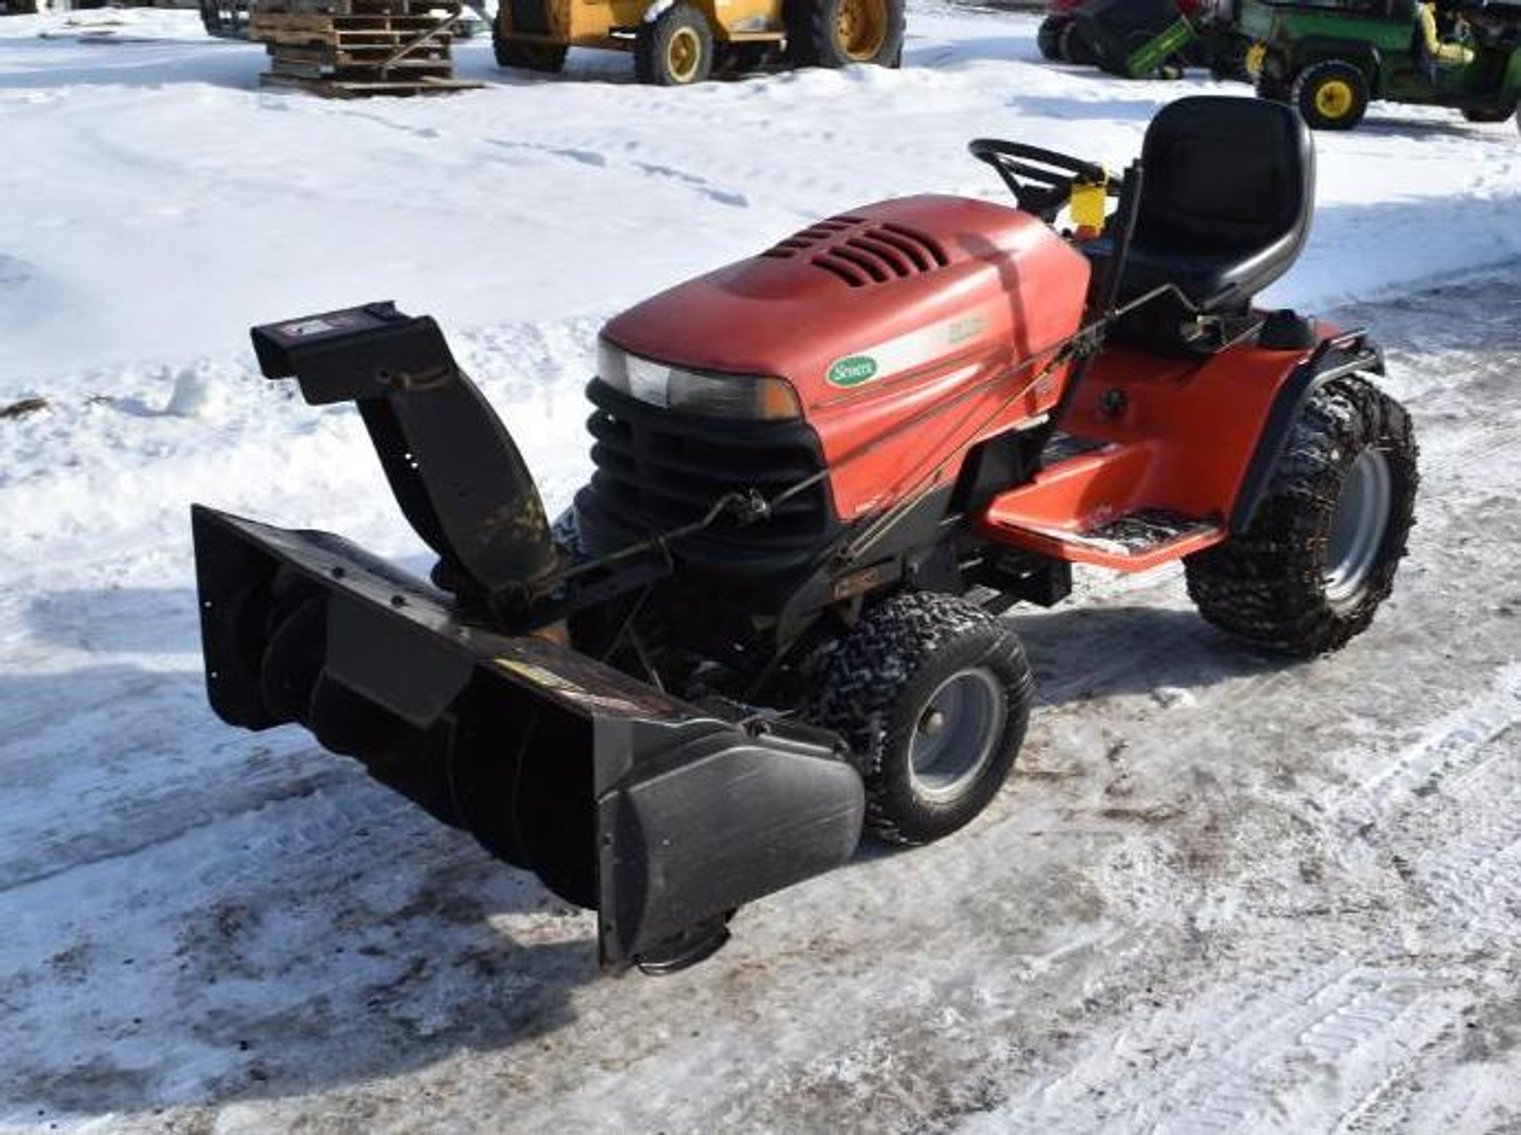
(1221, 894)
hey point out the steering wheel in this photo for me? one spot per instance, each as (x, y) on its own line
(1041, 180)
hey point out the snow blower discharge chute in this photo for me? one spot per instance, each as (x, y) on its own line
(770, 621)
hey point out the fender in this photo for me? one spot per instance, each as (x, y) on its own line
(1322, 48)
(1344, 354)
(1195, 437)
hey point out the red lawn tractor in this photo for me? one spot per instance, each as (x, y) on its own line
(770, 621)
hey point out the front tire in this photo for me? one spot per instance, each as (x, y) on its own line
(1331, 96)
(932, 694)
(1321, 553)
(675, 49)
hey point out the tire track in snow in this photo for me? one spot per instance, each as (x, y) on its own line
(1371, 1009)
(1456, 747)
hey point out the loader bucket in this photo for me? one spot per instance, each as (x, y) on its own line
(661, 817)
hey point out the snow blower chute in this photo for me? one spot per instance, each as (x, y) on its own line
(770, 619)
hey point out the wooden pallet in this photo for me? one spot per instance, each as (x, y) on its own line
(349, 89)
(356, 55)
(359, 53)
(303, 29)
(402, 72)
(324, 21)
(351, 8)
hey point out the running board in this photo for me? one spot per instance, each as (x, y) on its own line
(1093, 508)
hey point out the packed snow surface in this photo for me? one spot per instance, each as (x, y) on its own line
(1220, 893)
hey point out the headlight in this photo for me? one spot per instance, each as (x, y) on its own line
(696, 392)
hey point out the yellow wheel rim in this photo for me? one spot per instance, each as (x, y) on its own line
(683, 54)
(862, 29)
(1333, 98)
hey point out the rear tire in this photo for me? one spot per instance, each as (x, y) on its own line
(837, 33)
(1331, 96)
(1322, 550)
(932, 694)
(675, 49)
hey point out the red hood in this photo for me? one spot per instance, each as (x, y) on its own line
(906, 281)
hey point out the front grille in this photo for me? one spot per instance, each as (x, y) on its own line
(657, 469)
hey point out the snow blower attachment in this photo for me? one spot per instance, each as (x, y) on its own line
(620, 798)
(769, 620)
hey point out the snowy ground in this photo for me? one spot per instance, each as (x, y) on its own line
(1221, 894)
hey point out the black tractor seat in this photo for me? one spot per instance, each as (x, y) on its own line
(1228, 189)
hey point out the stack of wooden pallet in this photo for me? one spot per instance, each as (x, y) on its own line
(359, 47)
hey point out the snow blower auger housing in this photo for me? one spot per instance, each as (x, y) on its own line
(770, 619)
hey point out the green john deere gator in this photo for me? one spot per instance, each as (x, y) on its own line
(1331, 59)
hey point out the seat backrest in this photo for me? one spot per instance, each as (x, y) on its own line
(1228, 178)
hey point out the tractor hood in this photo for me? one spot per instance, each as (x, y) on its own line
(888, 290)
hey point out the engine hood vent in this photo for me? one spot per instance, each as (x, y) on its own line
(862, 252)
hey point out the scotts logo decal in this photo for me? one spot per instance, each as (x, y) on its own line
(946, 342)
(852, 371)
